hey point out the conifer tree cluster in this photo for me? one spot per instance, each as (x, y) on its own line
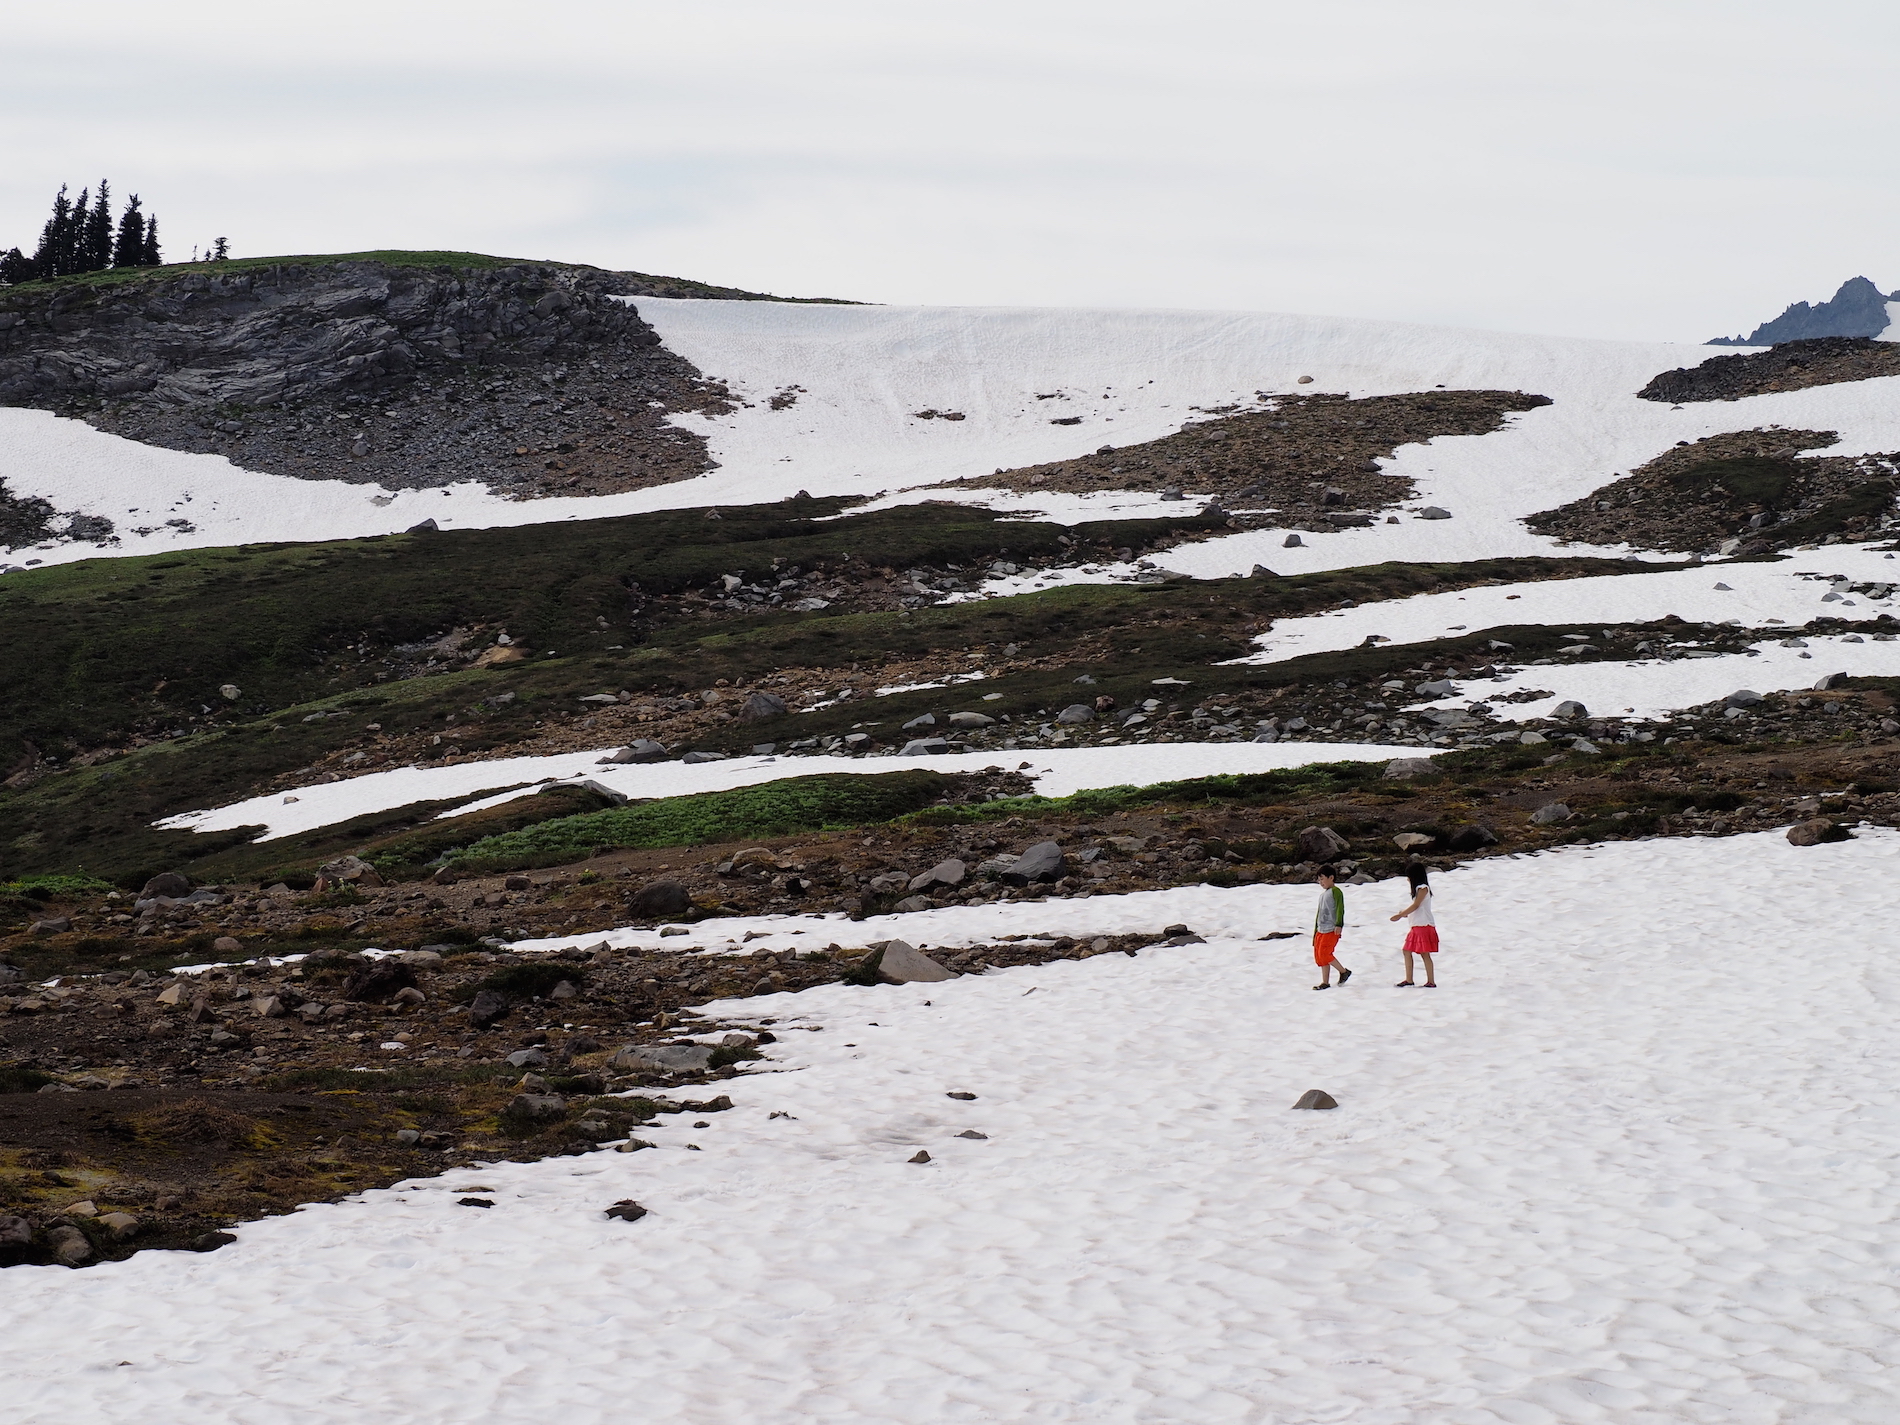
(82, 237)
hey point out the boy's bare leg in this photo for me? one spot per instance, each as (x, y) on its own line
(1431, 977)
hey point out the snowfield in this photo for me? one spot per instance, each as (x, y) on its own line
(1632, 1162)
(864, 373)
(1057, 771)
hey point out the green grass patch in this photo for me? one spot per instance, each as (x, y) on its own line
(1226, 789)
(54, 887)
(534, 980)
(828, 800)
(17, 1078)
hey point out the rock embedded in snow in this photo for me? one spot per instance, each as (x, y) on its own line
(1292, 541)
(694, 759)
(1569, 708)
(626, 1210)
(1317, 1099)
(924, 747)
(907, 965)
(1816, 832)
(69, 1246)
(972, 1133)
(1433, 512)
(919, 1157)
(641, 749)
(1830, 681)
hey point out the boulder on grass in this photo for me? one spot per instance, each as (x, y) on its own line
(761, 706)
(378, 981)
(1322, 843)
(166, 883)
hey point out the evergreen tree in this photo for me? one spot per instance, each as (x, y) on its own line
(55, 250)
(76, 225)
(95, 238)
(220, 250)
(152, 258)
(128, 250)
(16, 266)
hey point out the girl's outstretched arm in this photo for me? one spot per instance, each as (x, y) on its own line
(1417, 897)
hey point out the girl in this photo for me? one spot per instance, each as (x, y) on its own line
(1422, 939)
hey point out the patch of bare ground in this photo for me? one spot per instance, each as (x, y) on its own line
(1312, 459)
(1744, 492)
(1790, 366)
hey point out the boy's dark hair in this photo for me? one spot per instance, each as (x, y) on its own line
(1329, 871)
(1415, 874)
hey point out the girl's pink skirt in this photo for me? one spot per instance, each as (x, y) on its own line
(1422, 940)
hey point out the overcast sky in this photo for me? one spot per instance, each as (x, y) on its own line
(1669, 168)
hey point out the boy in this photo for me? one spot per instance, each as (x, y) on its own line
(1327, 925)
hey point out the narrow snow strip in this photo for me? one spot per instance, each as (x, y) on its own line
(1791, 590)
(1597, 1175)
(1058, 772)
(1654, 690)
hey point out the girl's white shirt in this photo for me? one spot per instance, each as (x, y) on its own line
(1423, 915)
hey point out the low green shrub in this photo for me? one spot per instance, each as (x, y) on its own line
(833, 799)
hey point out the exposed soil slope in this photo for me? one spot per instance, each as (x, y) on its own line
(1314, 458)
(1791, 366)
(1747, 487)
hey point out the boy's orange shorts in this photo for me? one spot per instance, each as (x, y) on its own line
(1323, 946)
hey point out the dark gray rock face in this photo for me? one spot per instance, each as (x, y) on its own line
(1041, 862)
(1858, 309)
(532, 377)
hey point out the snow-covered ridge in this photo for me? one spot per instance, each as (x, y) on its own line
(863, 374)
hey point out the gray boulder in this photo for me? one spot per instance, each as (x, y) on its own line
(1743, 698)
(668, 1057)
(1829, 682)
(922, 720)
(641, 749)
(1322, 843)
(761, 706)
(535, 1107)
(1042, 862)
(1441, 688)
(167, 883)
(16, 1240)
(910, 905)
(944, 873)
(1550, 813)
(903, 963)
(661, 898)
(1076, 712)
(1472, 838)
(529, 1059)
(1400, 767)
(924, 747)
(1433, 512)
(1570, 707)
(1816, 832)
(1292, 541)
(69, 1245)
(693, 759)
(1317, 1098)
(971, 719)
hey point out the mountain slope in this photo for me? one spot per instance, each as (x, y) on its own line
(1858, 309)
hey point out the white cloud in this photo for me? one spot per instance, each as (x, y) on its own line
(1644, 170)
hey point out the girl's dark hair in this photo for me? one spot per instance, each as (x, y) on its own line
(1415, 875)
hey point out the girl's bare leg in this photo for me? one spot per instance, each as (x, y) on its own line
(1431, 977)
(1408, 966)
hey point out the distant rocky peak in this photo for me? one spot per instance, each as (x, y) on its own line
(1858, 309)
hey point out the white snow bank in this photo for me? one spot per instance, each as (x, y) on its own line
(1058, 771)
(1655, 690)
(1791, 590)
(1129, 376)
(1597, 1175)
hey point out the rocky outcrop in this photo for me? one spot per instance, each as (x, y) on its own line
(1858, 309)
(1792, 366)
(533, 377)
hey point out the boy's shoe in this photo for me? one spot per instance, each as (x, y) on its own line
(1344, 975)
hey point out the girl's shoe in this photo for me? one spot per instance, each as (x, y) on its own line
(1322, 987)
(1430, 985)
(1403, 985)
